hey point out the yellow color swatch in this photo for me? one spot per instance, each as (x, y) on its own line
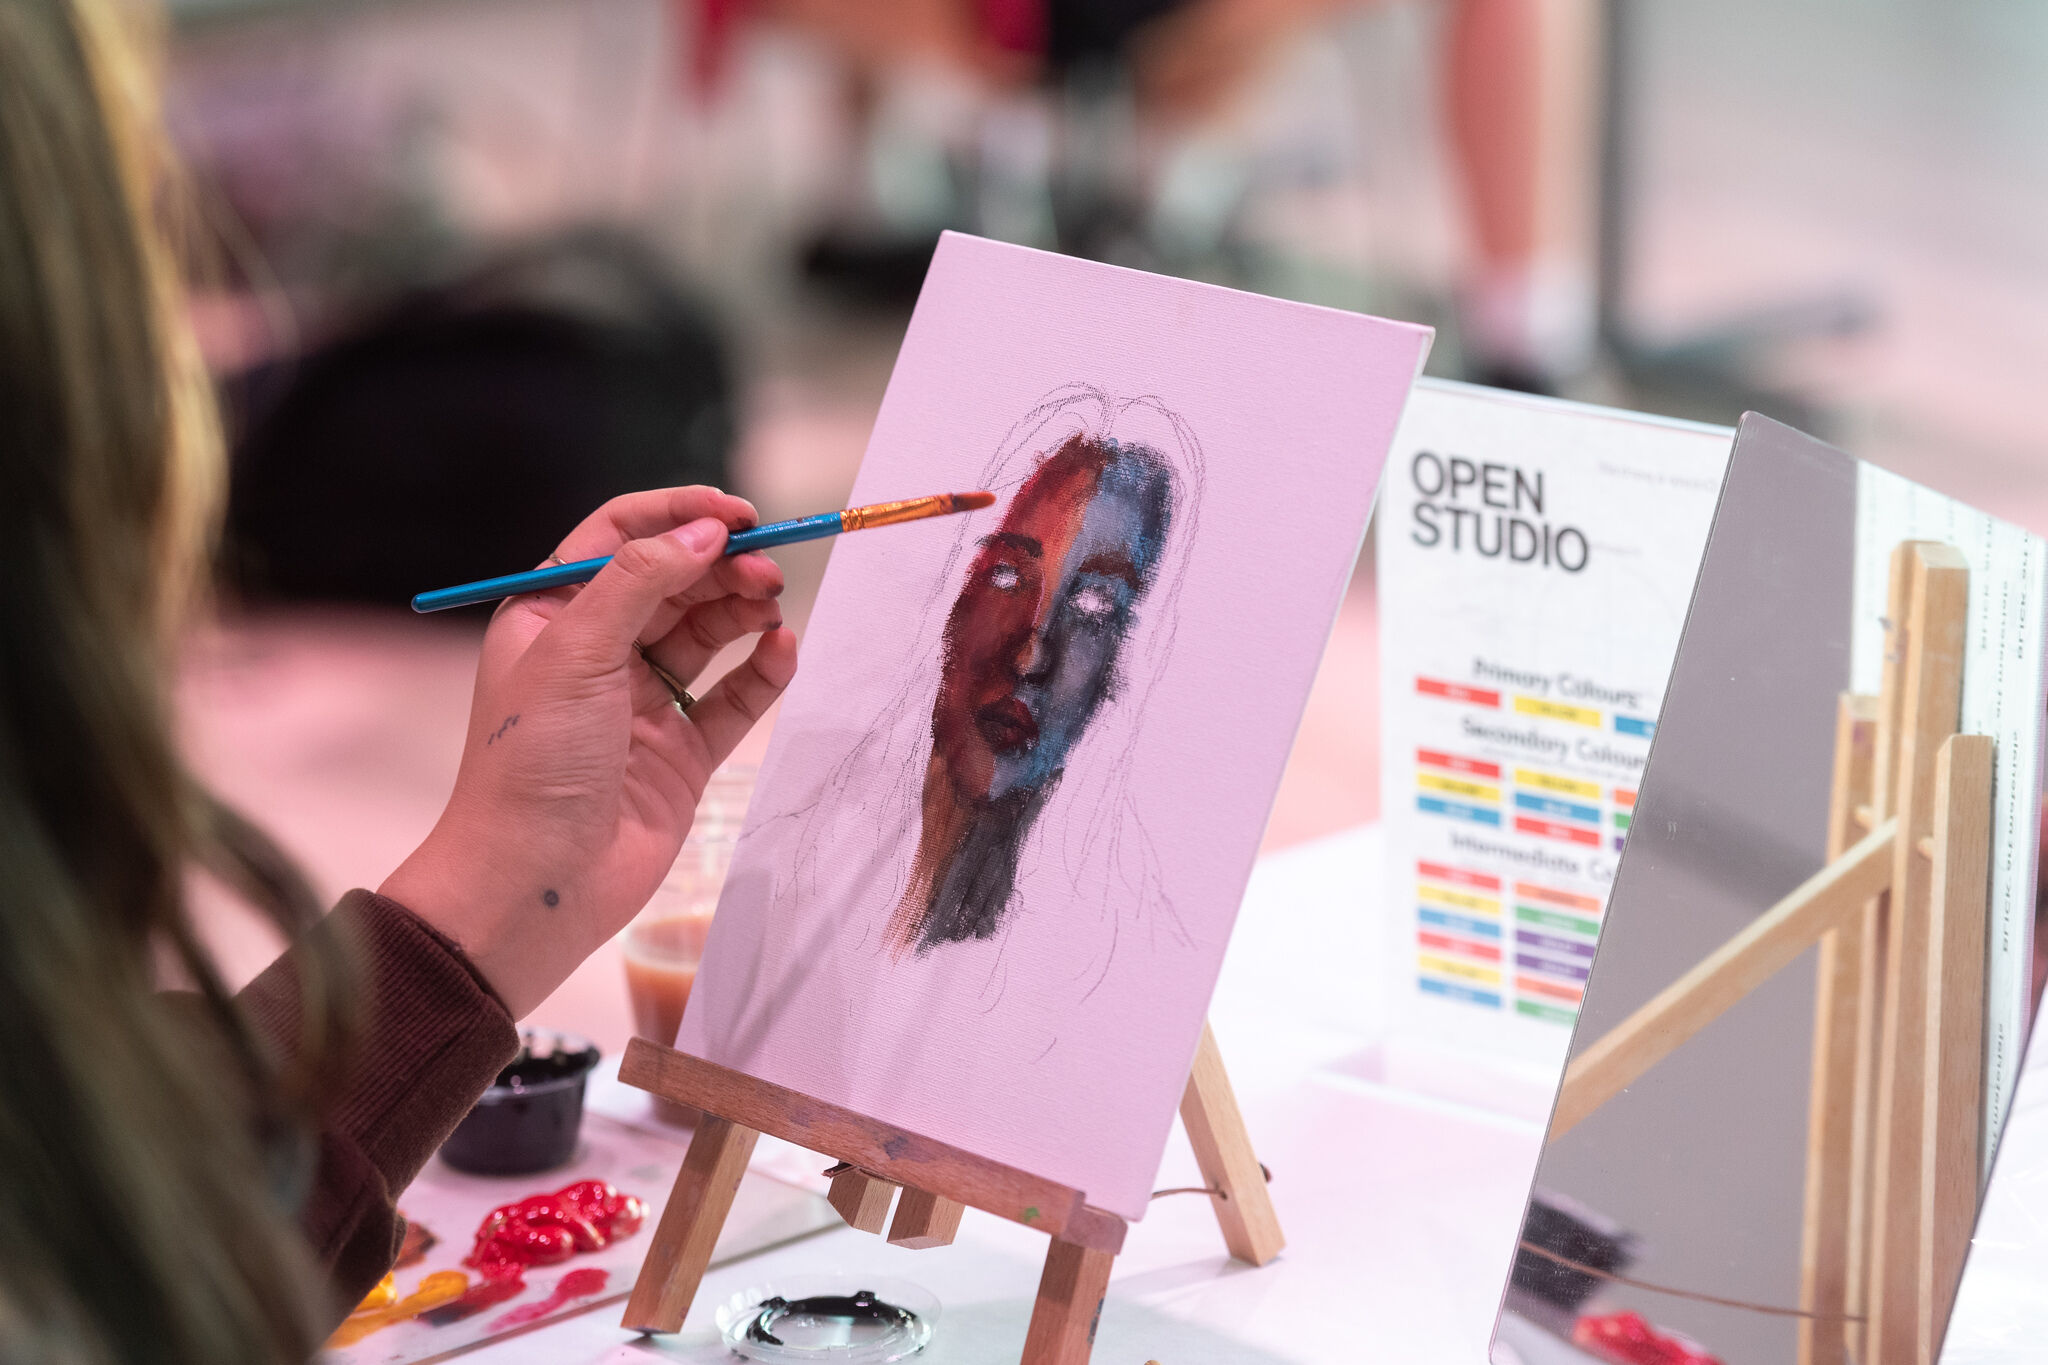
(1557, 710)
(1549, 782)
(1452, 967)
(1463, 900)
(1472, 791)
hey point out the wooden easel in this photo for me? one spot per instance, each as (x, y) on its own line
(937, 1182)
(1899, 915)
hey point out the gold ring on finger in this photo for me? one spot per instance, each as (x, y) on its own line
(677, 692)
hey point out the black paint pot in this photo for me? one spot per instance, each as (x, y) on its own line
(527, 1121)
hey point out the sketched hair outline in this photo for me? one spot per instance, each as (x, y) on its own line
(1092, 834)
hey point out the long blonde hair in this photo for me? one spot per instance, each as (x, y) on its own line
(149, 1151)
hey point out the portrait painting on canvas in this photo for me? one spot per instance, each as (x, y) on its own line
(1060, 614)
(1013, 798)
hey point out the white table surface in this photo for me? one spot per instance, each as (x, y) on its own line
(1400, 1210)
(2001, 1312)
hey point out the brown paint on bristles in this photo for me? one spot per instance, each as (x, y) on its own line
(912, 509)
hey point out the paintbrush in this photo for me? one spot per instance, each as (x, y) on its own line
(738, 543)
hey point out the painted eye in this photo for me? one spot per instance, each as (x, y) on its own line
(1003, 577)
(1094, 603)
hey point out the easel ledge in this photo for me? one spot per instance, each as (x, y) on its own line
(937, 1182)
(899, 1157)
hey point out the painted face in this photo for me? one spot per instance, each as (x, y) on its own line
(1032, 643)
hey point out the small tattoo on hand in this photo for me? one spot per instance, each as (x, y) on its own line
(499, 733)
(550, 898)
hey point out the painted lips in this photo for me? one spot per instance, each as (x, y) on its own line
(1007, 725)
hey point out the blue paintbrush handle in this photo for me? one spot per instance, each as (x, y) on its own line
(491, 589)
(785, 533)
(583, 570)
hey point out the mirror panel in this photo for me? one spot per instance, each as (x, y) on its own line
(1671, 1199)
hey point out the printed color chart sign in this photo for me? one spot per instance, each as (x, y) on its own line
(1535, 563)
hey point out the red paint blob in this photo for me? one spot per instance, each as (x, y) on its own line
(545, 1228)
(1627, 1339)
(577, 1284)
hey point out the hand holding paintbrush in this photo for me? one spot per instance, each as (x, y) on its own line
(585, 757)
(579, 776)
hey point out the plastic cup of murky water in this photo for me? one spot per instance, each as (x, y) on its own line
(664, 945)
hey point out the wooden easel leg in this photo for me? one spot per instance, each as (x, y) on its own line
(1830, 1129)
(1831, 898)
(1950, 1155)
(1870, 1009)
(690, 1224)
(1863, 1119)
(1830, 1163)
(1932, 642)
(1069, 1305)
(1223, 1151)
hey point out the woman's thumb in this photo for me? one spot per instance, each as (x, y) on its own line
(609, 614)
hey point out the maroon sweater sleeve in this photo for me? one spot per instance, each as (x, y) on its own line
(432, 1037)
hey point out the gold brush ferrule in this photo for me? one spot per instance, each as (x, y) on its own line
(889, 513)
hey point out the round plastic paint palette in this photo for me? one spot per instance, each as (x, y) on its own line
(837, 1318)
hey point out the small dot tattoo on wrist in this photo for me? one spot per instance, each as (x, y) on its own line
(550, 898)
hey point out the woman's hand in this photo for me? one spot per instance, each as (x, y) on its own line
(579, 776)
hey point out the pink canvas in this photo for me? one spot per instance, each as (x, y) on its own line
(1013, 797)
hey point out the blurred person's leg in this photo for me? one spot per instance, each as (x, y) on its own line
(1521, 110)
(1521, 107)
(1522, 104)
(1193, 56)
(914, 79)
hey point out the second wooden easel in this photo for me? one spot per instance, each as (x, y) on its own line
(1899, 916)
(937, 1182)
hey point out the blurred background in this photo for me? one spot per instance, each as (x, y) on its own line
(482, 263)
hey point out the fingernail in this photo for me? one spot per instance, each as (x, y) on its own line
(700, 536)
